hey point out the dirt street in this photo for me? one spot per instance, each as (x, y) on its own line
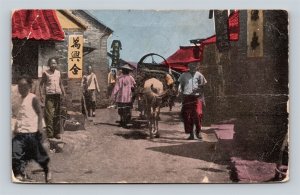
(106, 153)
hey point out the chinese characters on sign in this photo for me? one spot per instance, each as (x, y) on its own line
(75, 51)
(255, 33)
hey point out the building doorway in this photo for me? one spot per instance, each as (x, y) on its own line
(25, 59)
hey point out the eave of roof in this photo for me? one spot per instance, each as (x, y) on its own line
(100, 23)
(72, 17)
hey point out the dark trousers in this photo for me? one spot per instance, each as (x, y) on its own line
(26, 147)
(110, 89)
(90, 101)
(52, 114)
(191, 113)
(124, 110)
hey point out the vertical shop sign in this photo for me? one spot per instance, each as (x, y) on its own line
(255, 33)
(75, 51)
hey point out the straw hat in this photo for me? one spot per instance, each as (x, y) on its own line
(126, 66)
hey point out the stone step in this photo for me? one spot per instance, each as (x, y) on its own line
(223, 131)
(252, 171)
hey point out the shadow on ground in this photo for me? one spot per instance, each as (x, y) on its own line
(171, 118)
(133, 135)
(109, 124)
(197, 150)
(212, 170)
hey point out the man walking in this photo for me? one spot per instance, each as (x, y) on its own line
(122, 95)
(91, 86)
(27, 140)
(191, 88)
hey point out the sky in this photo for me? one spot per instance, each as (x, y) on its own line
(149, 31)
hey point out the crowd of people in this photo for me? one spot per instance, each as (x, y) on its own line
(190, 89)
(27, 139)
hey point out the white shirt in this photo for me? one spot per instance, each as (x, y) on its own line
(92, 81)
(189, 83)
(27, 118)
(52, 82)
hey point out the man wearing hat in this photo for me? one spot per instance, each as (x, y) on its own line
(122, 94)
(191, 87)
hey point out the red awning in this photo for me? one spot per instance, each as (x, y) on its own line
(184, 55)
(36, 24)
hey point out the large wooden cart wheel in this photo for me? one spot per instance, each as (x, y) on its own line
(151, 56)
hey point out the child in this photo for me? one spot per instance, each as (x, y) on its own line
(26, 143)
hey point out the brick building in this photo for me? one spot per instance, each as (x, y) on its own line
(96, 36)
(30, 55)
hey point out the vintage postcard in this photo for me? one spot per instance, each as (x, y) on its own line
(148, 96)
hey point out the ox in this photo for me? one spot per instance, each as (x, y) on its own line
(152, 95)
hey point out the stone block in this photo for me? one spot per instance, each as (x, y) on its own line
(252, 171)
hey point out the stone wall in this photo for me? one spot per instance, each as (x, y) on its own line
(97, 58)
(59, 49)
(72, 86)
(253, 90)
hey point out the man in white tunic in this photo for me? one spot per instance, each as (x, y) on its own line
(26, 143)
